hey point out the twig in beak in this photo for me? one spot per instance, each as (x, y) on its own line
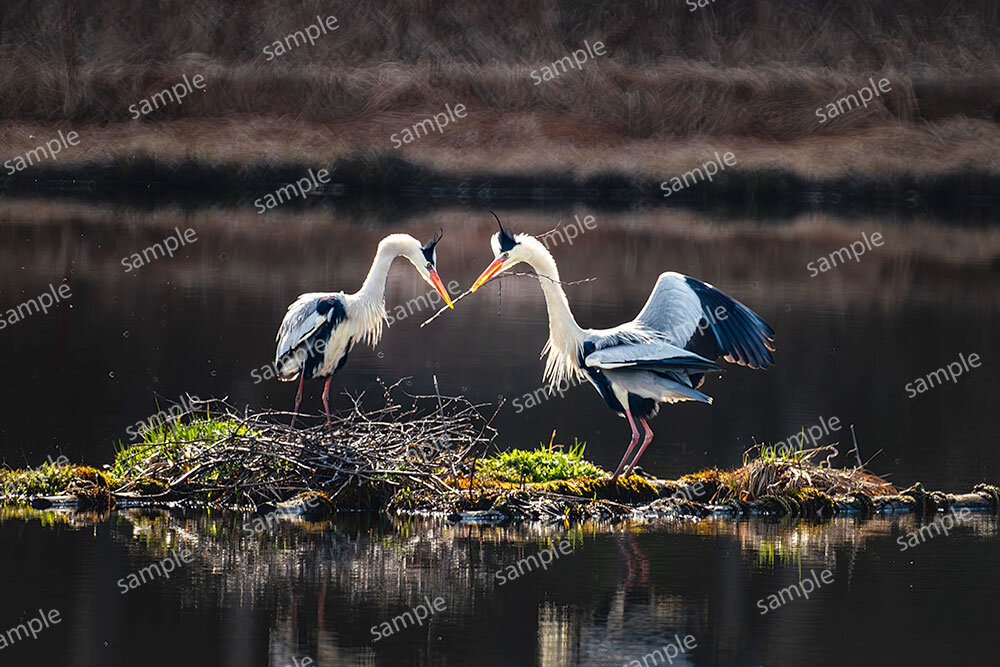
(499, 277)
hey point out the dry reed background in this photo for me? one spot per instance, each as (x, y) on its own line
(674, 85)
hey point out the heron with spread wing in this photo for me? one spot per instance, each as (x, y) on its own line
(320, 328)
(661, 356)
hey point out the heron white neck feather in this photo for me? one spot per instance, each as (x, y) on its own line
(565, 335)
(366, 307)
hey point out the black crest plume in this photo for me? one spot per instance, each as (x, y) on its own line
(505, 237)
(428, 248)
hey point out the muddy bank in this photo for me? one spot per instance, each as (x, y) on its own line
(633, 500)
(642, 500)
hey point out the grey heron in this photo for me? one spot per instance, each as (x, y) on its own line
(320, 328)
(661, 356)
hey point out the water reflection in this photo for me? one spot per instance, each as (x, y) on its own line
(316, 590)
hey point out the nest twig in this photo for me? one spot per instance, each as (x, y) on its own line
(256, 458)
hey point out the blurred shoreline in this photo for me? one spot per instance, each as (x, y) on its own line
(382, 183)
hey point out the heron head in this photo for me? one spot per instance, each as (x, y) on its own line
(507, 251)
(424, 259)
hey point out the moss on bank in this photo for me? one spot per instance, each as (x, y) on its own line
(50, 479)
(217, 460)
(631, 490)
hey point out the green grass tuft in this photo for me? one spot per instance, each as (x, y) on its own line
(169, 443)
(544, 464)
(771, 454)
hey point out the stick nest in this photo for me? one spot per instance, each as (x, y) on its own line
(252, 459)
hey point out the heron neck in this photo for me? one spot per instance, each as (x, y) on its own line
(373, 289)
(565, 335)
(560, 315)
(367, 305)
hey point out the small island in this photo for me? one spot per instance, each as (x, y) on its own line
(433, 455)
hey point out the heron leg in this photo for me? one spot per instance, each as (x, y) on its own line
(645, 443)
(326, 399)
(631, 446)
(298, 397)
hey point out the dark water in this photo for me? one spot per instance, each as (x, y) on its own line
(317, 590)
(849, 341)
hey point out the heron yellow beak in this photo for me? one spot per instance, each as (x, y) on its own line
(490, 271)
(439, 286)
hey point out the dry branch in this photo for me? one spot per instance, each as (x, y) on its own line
(256, 458)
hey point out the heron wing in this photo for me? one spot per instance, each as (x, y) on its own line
(651, 355)
(697, 317)
(307, 316)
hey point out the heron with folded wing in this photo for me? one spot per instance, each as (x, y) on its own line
(320, 328)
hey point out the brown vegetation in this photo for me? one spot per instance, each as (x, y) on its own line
(736, 76)
(770, 476)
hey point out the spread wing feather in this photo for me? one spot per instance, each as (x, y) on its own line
(695, 316)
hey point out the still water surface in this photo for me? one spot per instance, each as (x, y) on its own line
(849, 340)
(317, 590)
